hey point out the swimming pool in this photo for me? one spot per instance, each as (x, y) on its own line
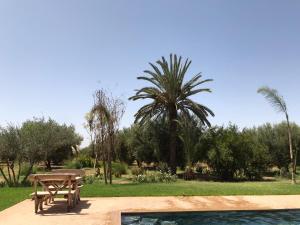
(282, 217)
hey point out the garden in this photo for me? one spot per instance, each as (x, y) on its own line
(172, 149)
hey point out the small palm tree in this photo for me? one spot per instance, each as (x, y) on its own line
(170, 95)
(190, 131)
(279, 105)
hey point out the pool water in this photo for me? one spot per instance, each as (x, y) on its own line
(283, 217)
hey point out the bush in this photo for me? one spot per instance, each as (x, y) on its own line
(198, 167)
(256, 161)
(163, 167)
(85, 161)
(119, 169)
(2, 184)
(25, 167)
(73, 164)
(189, 174)
(82, 161)
(91, 179)
(234, 154)
(137, 171)
(155, 177)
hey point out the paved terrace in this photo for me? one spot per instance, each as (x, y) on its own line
(107, 211)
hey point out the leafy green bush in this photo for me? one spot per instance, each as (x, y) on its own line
(82, 161)
(73, 164)
(2, 184)
(155, 177)
(119, 169)
(189, 174)
(85, 161)
(91, 179)
(199, 168)
(256, 157)
(25, 167)
(234, 154)
(163, 167)
(137, 171)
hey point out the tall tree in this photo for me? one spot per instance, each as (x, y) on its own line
(108, 112)
(100, 119)
(171, 95)
(277, 101)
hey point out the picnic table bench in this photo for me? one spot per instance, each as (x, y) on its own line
(58, 183)
(79, 174)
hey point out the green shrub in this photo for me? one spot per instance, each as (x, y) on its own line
(198, 168)
(85, 161)
(189, 174)
(73, 164)
(234, 154)
(119, 169)
(91, 179)
(2, 184)
(82, 161)
(25, 167)
(155, 177)
(137, 171)
(141, 178)
(163, 167)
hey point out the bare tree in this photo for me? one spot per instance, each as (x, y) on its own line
(107, 112)
(115, 108)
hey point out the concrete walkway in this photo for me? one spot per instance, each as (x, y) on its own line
(107, 211)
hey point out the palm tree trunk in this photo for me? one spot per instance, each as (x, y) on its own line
(291, 151)
(173, 138)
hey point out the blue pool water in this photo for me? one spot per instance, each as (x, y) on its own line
(284, 217)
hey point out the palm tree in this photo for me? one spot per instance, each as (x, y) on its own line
(277, 101)
(189, 132)
(170, 95)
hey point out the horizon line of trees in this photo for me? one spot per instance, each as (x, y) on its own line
(229, 152)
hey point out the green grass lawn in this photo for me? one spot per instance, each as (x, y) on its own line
(11, 196)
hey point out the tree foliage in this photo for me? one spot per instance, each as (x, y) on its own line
(277, 101)
(171, 95)
(37, 140)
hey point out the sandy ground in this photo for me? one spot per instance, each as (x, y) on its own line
(107, 211)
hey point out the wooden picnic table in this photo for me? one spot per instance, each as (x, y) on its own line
(53, 184)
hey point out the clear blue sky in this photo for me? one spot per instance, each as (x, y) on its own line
(55, 53)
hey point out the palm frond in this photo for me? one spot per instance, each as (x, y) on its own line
(274, 98)
(168, 91)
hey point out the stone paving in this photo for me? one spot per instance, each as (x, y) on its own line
(107, 211)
